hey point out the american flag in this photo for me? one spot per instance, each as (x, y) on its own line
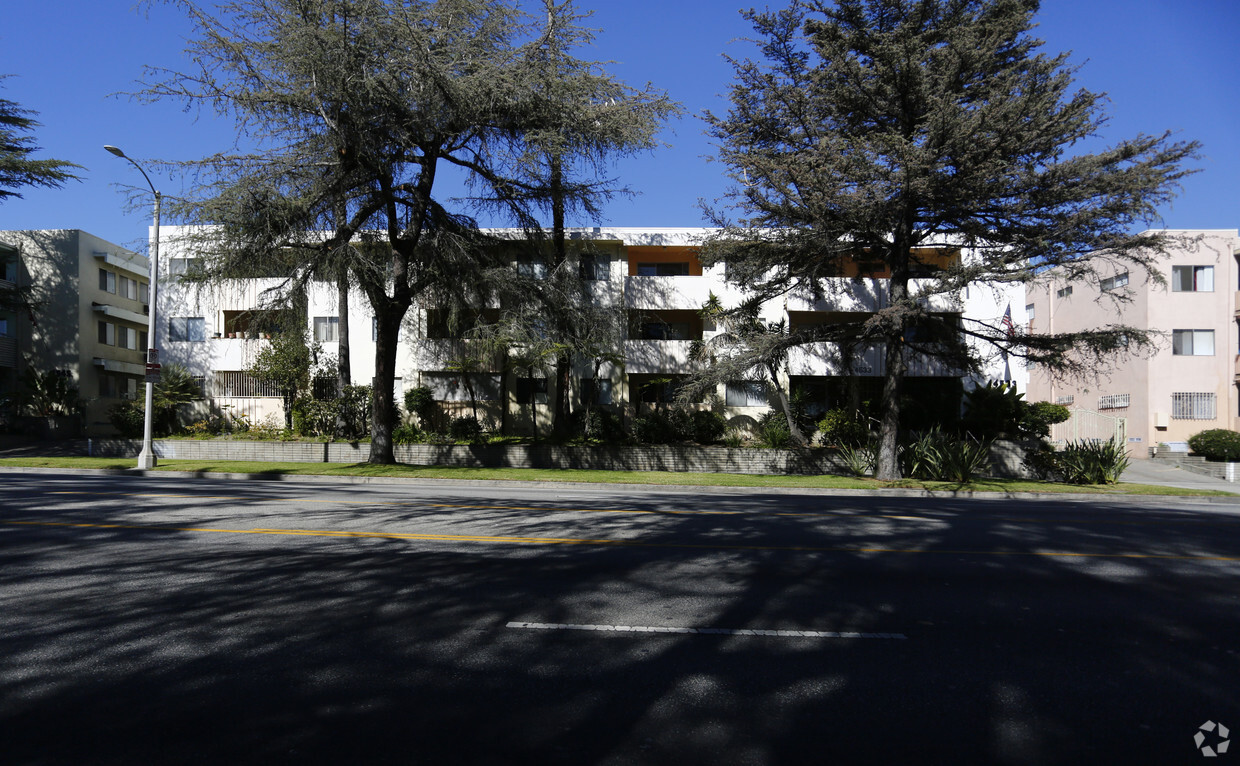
(1007, 321)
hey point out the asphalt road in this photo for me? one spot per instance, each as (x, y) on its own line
(159, 620)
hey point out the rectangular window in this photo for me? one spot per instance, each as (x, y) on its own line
(187, 329)
(531, 388)
(374, 329)
(4, 327)
(107, 281)
(1115, 282)
(1193, 406)
(178, 265)
(1192, 279)
(128, 288)
(1113, 402)
(144, 292)
(1192, 342)
(595, 391)
(595, 268)
(142, 340)
(1069, 399)
(679, 269)
(1029, 313)
(1063, 292)
(746, 393)
(327, 329)
(452, 387)
(8, 269)
(126, 338)
(532, 270)
(107, 333)
(665, 331)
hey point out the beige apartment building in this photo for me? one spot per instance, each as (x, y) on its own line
(1188, 384)
(87, 321)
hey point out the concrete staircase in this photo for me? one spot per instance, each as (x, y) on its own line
(1198, 464)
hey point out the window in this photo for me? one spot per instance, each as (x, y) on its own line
(746, 393)
(532, 270)
(1193, 406)
(327, 329)
(178, 265)
(1069, 399)
(107, 333)
(665, 331)
(595, 391)
(595, 268)
(679, 269)
(187, 329)
(1114, 283)
(8, 269)
(1113, 402)
(1029, 313)
(374, 329)
(451, 386)
(144, 292)
(126, 337)
(1063, 292)
(128, 288)
(1192, 279)
(143, 339)
(4, 327)
(1192, 342)
(107, 281)
(528, 389)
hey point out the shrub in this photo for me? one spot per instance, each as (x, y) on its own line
(938, 456)
(314, 417)
(734, 438)
(421, 402)
(859, 460)
(773, 430)
(654, 428)
(1040, 416)
(1086, 462)
(465, 429)
(1216, 444)
(128, 419)
(598, 425)
(406, 433)
(843, 428)
(353, 411)
(706, 427)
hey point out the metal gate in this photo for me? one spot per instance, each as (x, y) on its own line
(1090, 426)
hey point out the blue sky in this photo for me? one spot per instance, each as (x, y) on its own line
(1166, 65)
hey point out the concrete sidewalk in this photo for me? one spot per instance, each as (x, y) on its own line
(1165, 475)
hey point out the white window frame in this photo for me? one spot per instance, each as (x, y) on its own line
(327, 329)
(1195, 405)
(1114, 401)
(745, 393)
(187, 329)
(1200, 279)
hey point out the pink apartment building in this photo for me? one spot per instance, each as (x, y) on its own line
(1189, 384)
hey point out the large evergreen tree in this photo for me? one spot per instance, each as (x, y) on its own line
(18, 166)
(875, 132)
(355, 109)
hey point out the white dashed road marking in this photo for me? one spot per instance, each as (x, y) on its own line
(704, 631)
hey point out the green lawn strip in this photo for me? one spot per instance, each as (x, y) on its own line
(1006, 486)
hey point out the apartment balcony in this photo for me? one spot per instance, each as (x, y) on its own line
(674, 293)
(825, 359)
(441, 354)
(658, 356)
(8, 351)
(867, 296)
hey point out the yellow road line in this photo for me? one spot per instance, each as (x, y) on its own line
(608, 542)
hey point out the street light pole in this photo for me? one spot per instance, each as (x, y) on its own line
(146, 458)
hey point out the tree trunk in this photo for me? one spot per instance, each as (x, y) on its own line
(793, 429)
(344, 376)
(384, 413)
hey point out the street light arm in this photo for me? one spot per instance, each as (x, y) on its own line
(117, 151)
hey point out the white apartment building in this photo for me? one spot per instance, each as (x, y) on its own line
(1189, 384)
(654, 275)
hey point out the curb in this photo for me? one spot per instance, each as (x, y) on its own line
(1134, 500)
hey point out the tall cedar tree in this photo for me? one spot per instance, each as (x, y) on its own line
(875, 130)
(354, 107)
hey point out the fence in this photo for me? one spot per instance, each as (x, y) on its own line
(1090, 426)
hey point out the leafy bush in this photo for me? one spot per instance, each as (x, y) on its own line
(654, 428)
(314, 417)
(598, 425)
(420, 401)
(938, 456)
(1040, 416)
(706, 427)
(353, 410)
(465, 429)
(1086, 462)
(859, 460)
(733, 438)
(843, 428)
(407, 433)
(128, 418)
(773, 431)
(1216, 444)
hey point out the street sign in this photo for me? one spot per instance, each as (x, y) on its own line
(152, 356)
(152, 372)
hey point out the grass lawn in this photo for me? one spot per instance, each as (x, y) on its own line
(599, 477)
